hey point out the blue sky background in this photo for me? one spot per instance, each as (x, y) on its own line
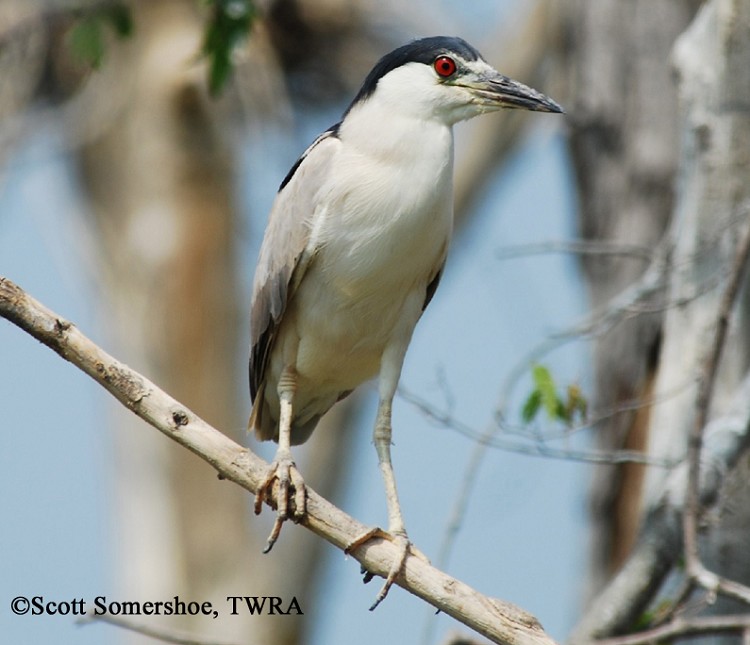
(524, 539)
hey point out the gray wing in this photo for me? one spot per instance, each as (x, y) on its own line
(432, 287)
(284, 243)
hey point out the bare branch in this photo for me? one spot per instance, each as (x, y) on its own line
(497, 620)
(534, 446)
(598, 322)
(653, 281)
(682, 627)
(577, 247)
(718, 585)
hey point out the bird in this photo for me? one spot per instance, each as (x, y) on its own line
(352, 254)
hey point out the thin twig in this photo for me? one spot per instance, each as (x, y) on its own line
(718, 585)
(577, 247)
(596, 323)
(683, 627)
(595, 417)
(534, 447)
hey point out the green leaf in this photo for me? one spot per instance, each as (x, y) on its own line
(531, 407)
(544, 394)
(86, 42)
(546, 386)
(228, 27)
(86, 37)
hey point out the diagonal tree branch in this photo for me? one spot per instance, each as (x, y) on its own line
(499, 621)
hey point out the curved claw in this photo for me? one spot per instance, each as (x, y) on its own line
(275, 532)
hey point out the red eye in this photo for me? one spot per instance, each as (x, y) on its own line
(445, 66)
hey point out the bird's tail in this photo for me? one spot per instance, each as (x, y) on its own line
(261, 424)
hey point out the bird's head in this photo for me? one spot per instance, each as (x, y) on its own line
(444, 79)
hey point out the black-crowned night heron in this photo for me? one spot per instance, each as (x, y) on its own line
(355, 244)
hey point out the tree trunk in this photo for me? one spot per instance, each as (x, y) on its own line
(712, 212)
(624, 147)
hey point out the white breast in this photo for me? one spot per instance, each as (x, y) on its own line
(381, 236)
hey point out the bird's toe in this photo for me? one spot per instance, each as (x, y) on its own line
(284, 489)
(405, 548)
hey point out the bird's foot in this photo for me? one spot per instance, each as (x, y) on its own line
(283, 472)
(405, 548)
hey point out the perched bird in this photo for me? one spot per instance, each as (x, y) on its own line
(353, 251)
